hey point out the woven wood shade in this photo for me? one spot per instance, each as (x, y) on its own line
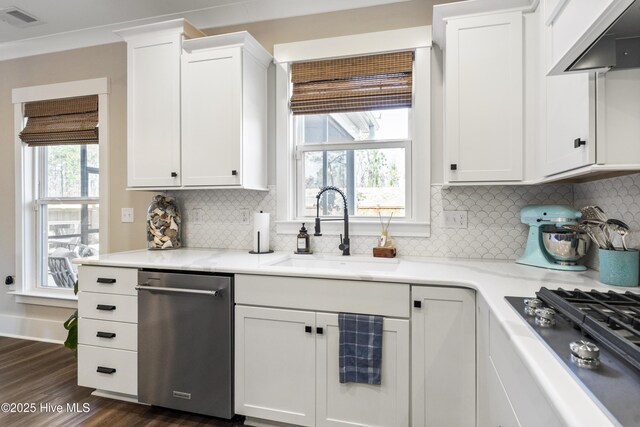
(61, 121)
(352, 84)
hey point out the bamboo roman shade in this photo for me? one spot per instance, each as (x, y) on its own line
(352, 84)
(61, 121)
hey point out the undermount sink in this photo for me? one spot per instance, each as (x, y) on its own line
(348, 263)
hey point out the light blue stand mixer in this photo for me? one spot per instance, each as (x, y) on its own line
(548, 244)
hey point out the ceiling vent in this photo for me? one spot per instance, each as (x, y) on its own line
(18, 17)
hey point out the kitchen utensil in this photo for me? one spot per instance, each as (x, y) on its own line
(621, 228)
(565, 247)
(593, 212)
(598, 234)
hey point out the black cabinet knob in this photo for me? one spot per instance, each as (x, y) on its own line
(417, 304)
(308, 329)
(319, 331)
(454, 166)
(234, 172)
(174, 174)
(578, 142)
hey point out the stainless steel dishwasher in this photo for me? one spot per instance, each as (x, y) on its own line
(185, 342)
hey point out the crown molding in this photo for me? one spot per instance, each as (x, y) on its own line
(218, 16)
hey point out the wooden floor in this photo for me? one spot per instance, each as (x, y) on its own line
(33, 372)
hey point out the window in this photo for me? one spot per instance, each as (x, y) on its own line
(359, 122)
(366, 158)
(60, 157)
(351, 120)
(67, 210)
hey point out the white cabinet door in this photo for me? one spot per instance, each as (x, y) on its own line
(275, 364)
(443, 357)
(494, 407)
(570, 112)
(386, 404)
(153, 117)
(484, 98)
(212, 117)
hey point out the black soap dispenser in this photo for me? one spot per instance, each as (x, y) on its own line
(302, 242)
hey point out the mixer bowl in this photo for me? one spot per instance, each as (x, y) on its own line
(566, 247)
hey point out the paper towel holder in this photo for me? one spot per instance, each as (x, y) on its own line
(268, 251)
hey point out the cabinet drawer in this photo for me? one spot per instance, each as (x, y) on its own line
(122, 364)
(385, 299)
(103, 333)
(109, 280)
(120, 308)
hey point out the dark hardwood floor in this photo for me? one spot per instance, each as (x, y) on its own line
(33, 372)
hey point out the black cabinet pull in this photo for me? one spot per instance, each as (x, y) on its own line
(578, 142)
(417, 304)
(174, 174)
(101, 334)
(454, 166)
(234, 172)
(105, 370)
(105, 307)
(319, 331)
(308, 329)
(106, 280)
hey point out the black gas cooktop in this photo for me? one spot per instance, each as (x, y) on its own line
(604, 328)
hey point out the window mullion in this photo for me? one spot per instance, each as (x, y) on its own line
(341, 146)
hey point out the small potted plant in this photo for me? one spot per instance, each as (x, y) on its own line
(71, 325)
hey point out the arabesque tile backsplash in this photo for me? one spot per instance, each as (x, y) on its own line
(493, 231)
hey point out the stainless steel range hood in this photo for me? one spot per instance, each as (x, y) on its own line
(618, 47)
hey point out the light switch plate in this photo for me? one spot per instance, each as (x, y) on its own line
(455, 219)
(126, 215)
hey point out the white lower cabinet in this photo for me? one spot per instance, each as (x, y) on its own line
(275, 360)
(107, 329)
(287, 371)
(507, 393)
(287, 359)
(443, 355)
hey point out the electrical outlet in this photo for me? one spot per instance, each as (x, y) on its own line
(196, 216)
(455, 219)
(244, 216)
(126, 215)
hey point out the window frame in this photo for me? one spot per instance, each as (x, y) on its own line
(418, 39)
(25, 288)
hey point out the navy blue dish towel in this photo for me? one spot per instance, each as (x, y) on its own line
(360, 348)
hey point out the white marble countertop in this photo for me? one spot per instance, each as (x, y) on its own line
(493, 280)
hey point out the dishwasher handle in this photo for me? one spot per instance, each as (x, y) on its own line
(179, 290)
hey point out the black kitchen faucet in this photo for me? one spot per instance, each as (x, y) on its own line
(344, 242)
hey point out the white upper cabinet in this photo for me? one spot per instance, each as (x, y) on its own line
(153, 102)
(484, 98)
(224, 112)
(570, 140)
(197, 108)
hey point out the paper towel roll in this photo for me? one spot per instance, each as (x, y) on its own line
(261, 225)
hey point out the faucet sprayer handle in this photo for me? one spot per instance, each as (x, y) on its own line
(344, 244)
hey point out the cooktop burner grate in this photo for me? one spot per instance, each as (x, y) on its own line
(612, 318)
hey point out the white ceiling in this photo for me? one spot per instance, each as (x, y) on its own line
(68, 24)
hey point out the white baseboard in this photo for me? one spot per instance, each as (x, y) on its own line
(27, 328)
